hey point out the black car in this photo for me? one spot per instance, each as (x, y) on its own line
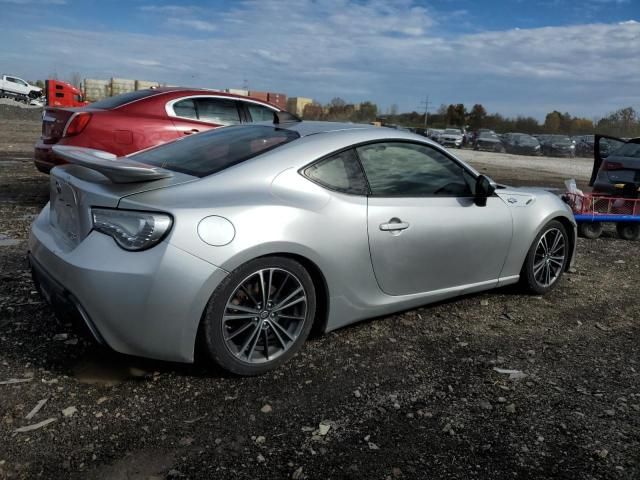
(488, 141)
(521, 144)
(616, 167)
(557, 146)
(584, 145)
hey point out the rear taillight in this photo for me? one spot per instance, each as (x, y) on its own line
(77, 124)
(613, 166)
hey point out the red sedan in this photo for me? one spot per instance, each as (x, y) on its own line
(134, 121)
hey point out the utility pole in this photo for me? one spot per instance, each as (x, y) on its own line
(426, 104)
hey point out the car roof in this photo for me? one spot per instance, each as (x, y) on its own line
(306, 128)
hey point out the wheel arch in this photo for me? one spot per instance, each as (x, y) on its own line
(319, 282)
(571, 231)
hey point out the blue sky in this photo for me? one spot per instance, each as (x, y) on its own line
(516, 57)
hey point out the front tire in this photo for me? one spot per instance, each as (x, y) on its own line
(547, 259)
(628, 231)
(259, 316)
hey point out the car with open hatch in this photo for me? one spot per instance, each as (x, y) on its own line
(240, 241)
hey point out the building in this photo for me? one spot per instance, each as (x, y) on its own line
(296, 105)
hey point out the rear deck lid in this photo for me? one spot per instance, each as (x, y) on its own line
(93, 178)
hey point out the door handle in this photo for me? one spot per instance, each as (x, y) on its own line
(394, 225)
(189, 132)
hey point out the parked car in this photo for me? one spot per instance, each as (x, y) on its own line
(134, 121)
(616, 166)
(584, 145)
(557, 146)
(521, 144)
(488, 141)
(228, 239)
(451, 137)
(434, 133)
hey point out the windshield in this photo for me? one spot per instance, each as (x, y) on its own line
(213, 151)
(631, 150)
(526, 140)
(453, 131)
(485, 135)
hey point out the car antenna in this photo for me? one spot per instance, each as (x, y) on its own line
(284, 117)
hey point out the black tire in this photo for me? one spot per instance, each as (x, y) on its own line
(530, 274)
(628, 231)
(213, 330)
(590, 230)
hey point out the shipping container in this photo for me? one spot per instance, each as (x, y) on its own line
(122, 85)
(143, 84)
(296, 105)
(237, 91)
(278, 99)
(264, 96)
(95, 90)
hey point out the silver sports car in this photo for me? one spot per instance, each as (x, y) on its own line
(241, 240)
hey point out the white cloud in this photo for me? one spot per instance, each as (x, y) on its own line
(190, 24)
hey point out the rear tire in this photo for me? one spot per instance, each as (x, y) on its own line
(547, 259)
(259, 316)
(590, 230)
(628, 231)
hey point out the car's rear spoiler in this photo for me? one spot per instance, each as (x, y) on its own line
(116, 169)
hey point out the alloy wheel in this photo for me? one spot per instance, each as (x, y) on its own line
(264, 315)
(549, 257)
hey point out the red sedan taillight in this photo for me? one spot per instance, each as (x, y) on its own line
(77, 124)
(613, 166)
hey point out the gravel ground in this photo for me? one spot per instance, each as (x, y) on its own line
(413, 395)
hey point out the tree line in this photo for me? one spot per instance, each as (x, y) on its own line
(624, 122)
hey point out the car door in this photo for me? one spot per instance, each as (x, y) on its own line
(198, 114)
(426, 232)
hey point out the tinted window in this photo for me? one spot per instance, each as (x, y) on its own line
(339, 172)
(185, 108)
(626, 150)
(119, 100)
(259, 113)
(215, 150)
(407, 169)
(218, 110)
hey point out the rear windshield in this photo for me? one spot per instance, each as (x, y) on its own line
(631, 150)
(119, 100)
(213, 151)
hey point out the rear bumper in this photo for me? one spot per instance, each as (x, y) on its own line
(44, 158)
(145, 303)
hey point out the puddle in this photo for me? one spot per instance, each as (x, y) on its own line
(108, 369)
(7, 241)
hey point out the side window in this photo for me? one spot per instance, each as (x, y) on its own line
(339, 172)
(259, 113)
(412, 170)
(218, 110)
(185, 109)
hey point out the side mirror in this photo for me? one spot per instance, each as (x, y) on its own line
(484, 189)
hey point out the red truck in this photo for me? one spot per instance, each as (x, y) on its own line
(62, 94)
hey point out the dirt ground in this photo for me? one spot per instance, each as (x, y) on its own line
(413, 395)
